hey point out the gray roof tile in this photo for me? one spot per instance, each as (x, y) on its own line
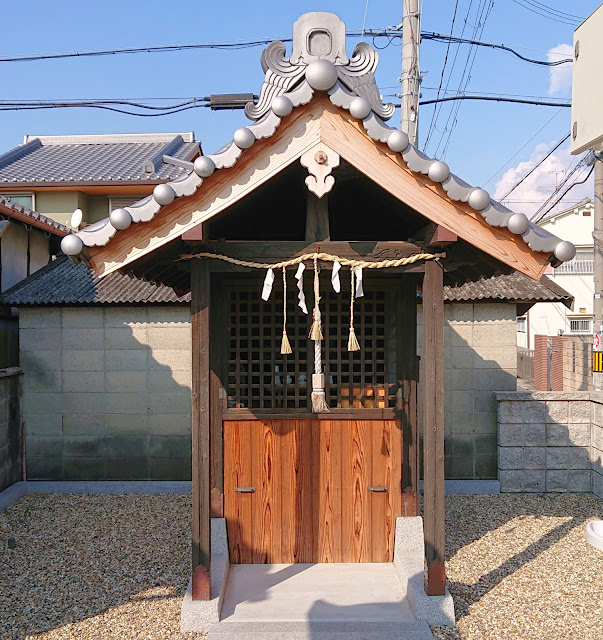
(14, 210)
(63, 282)
(92, 162)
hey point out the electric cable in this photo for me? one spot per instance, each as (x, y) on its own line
(574, 184)
(538, 164)
(389, 32)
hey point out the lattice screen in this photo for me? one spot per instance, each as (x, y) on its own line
(259, 377)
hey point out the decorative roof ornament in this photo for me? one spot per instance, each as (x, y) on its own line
(318, 57)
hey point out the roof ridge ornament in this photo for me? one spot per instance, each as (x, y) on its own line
(318, 37)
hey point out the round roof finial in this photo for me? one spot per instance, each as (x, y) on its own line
(360, 108)
(565, 251)
(204, 166)
(164, 194)
(438, 171)
(518, 223)
(282, 106)
(120, 219)
(243, 138)
(72, 245)
(321, 75)
(479, 199)
(397, 140)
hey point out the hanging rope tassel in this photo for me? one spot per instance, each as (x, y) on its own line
(318, 397)
(285, 346)
(352, 340)
(316, 330)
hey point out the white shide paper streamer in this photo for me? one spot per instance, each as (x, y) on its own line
(300, 285)
(358, 275)
(335, 277)
(268, 281)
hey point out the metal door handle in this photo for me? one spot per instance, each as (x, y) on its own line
(378, 489)
(245, 489)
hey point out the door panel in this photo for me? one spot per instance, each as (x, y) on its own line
(311, 500)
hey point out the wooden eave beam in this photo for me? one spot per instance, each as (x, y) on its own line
(319, 121)
(221, 190)
(386, 168)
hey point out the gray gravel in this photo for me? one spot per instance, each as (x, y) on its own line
(109, 567)
(94, 567)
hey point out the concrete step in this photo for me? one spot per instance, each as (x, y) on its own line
(320, 631)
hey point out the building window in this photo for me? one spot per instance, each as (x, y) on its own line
(22, 199)
(522, 325)
(580, 326)
(120, 202)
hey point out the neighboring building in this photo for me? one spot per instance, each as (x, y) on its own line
(576, 276)
(108, 372)
(55, 175)
(28, 241)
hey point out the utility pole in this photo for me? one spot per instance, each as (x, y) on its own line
(598, 267)
(410, 79)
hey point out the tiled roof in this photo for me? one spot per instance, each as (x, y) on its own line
(14, 210)
(583, 204)
(514, 287)
(75, 159)
(350, 84)
(63, 282)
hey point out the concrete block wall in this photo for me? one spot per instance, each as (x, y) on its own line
(547, 441)
(596, 440)
(11, 419)
(577, 364)
(106, 392)
(480, 358)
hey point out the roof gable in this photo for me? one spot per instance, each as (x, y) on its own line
(328, 105)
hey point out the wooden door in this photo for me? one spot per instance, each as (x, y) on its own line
(309, 490)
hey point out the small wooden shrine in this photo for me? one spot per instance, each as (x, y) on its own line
(307, 243)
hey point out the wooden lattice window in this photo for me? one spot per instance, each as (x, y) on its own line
(260, 378)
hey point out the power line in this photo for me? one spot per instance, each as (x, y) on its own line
(546, 124)
(541, 103)
(388, 32)
(534, 8)
(433, 115)
(560, 198)
(538, 164)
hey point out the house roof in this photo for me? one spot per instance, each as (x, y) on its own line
(583, 204)
(349, 92)
(61, 282)
(28, 216)
(130, 158)
(514, 287)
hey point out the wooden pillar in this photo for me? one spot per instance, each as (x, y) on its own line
(201, 441)
(433, 427)
(317, 218)
(408, 376)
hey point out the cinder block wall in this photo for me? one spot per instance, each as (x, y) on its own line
(480, 357)
(11, 418)
(577, 364)
(106, 392)
(550, 441)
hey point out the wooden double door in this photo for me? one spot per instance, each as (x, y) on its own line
(311, 490)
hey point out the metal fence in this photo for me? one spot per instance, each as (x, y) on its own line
(525, 364)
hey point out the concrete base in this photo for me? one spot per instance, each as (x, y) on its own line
(318, 630)
(409, 559)
(197, 615)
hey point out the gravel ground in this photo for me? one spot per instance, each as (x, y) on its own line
(115, 567)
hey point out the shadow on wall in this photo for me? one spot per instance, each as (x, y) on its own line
(107, 392)
(480, 358)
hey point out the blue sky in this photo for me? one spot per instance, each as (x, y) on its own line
(485, 142)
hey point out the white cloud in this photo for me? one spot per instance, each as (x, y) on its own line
(531, 194)
(560, 77)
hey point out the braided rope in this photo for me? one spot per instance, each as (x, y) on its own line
(365, 264)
